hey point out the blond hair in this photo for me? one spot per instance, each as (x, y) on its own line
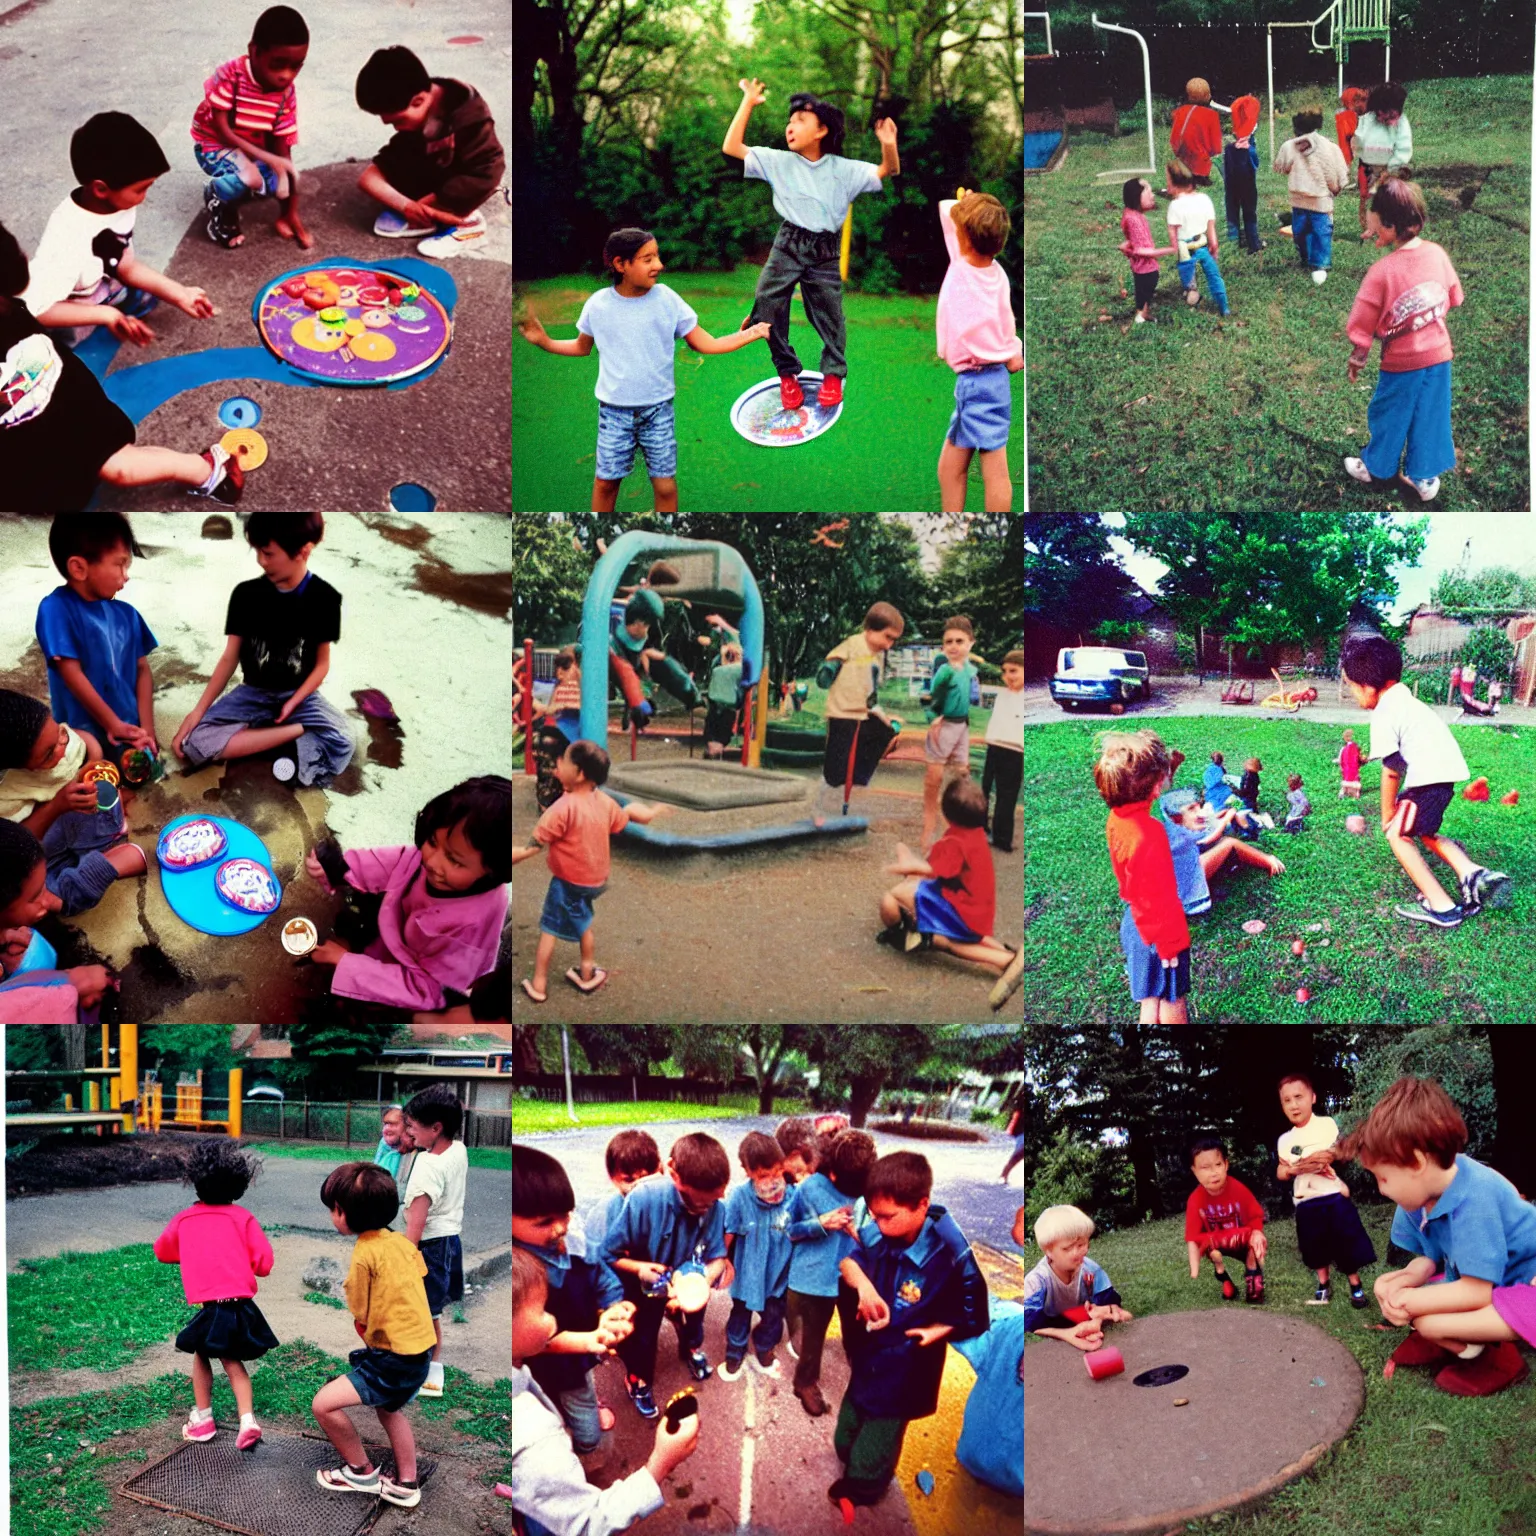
(1061, 1224)
(1198, 91)
(985, 222)
(1131, 765)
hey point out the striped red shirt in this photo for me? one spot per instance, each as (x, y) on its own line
(254, 113)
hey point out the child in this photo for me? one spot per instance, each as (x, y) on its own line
(852, 675)
(559, 725)
(949, 900)
(1383, 140)
(60, 436)
(442, 903)
(813, 189)
(757, 1245)
(279, 629)
(1132, 769)
(1138, 245)
(1196, 134)
(222, 1252)
(948, 743)
(1215, 785)
(585, 1297)
(629, 1157)
(632, 656)
(576, 830)
(724, 691)
(1417, 751)
(1328, 1227)
(246, 125)
(1004, 762)
(1192, 229)
(801, 1146)
(548, 1483)
(1315, 173)
(1239, 163)
(820, 1237)
(1199, 849)
(1404, 299)
(389, 1310)
(444, 161)
(665, 1223)
(1222, 1216)
(918, 1284)
(1297, 806)
(978, 339)
(634, 325)
(1349, 768)
(1248, 785)
(1067, 1295)
(1354, 101)
(991, 1443)
(1472, 1236)
(434, 1207)
(389, 1151)
(84, 272)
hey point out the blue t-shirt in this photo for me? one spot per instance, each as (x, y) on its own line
(106, 638)
(760, 1254)
(1194, 890)
(653, 1227)
(815, 1252)
(815, 194)
(1479, 1228)
(636, 343)
(991, 1444)
(388, 1158)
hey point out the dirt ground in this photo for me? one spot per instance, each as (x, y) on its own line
(88, 1162)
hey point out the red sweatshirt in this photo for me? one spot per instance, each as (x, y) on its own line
(1404, 299)
(1143, 865)
(1234, 1211)
(1196, 137)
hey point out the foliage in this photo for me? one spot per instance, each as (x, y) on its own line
(325, 1055)
(1073, 1171)
(979, 575)
(176, 1048)
(530, 1116)
(1491, 651)
(1073, 580)
(1461, 1062)
(330, 1152)
(549, 576)
(1495, 586)
(628, 1049)
(860, 1059)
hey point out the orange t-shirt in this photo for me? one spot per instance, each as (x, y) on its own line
(576, 829)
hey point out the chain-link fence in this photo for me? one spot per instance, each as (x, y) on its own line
(354, 1122)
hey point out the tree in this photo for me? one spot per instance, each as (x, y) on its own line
(980, 575)
(861, 1058)
(525, 1051)
(1491, 651)
(1073, 580)
(549, 575)
(627, 1049)
(325, 1056)
(1495, 587)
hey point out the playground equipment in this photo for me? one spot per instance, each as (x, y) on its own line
(1288, 699)
(189, 1103)
(1150, 168)
(114, 1082)
(1045, 121)
(1349, 21)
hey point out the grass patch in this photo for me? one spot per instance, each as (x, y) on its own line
(334, 1152)
(1375, 968)
(320, 1299)
(1258, 410)
(529, 1115)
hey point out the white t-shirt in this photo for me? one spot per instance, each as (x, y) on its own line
(1006, 725)
(77, 250)
(441, 1176)
(1299, 1141)
(1407, 726)
(1188, 215)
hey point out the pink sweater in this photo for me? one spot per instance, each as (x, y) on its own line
(1404, 299)
(425, 942)
(975, 321)
(221, 1250)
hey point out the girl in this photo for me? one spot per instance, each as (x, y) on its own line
(634, 325)
(222, 1250)
(442, 906)
(1383, 141)
(1140, 200)
(59, 433)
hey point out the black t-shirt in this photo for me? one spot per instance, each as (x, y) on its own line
(281, 632)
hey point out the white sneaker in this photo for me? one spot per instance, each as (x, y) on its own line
(725, 1373)
(1319, 276)
(771, 1369)
(455, 240)
(393, 226)
(1356, 470)
(794, 1354)
(1427, 489)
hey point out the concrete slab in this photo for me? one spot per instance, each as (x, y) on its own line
(707, 786)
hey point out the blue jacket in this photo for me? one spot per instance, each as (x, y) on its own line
(760, 1254)
(991, 1444)
(578, 1291)
(652, 1226)
(815, 1252)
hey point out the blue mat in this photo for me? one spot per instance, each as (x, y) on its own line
(191, 892)
(1038, 149)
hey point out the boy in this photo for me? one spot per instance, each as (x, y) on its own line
(813, 189)
(1004, 764)
(559, 724)
(631, 655)
(1067, 1295)
(1462, 1221)
(665, 1223)
(800, 1145)
(97, 647)
(548, 1483)
(629, 1157)
(1328, 1227)
(948, 742)
(1417, 752)
(575, 830)
(977, 337)
(84, 272)
(389, 1310)
(757, 1245)
(852, 674)
(1316, 174)
(1192, 228)
(1196, 135)
(1133, 767)
(918, 1284)
(1222, 1216)
(389, 1150)
(434, 1207)
(991, 1444)
(279, 630)
(723, 693)
(1239, 162)
(820, 1238)
(1297, 806)
(444, 161)
(1199, 849)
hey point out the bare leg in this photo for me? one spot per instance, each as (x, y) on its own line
(665, 491)
(329, 1408)
(988, 952)
(1417, 870)
(1173, 1013)
(1455, 1330)
(128, 859)
(1149, 1008)
(246, 743)
(890, 910)
(1233, 848)
(541, 959)
(588, 949)
(202, 1382)
(605, 495)
(240, 1384)
(139, 464)
(401, 1441)
(437, 1349)
(289, 225)
(932, 780)
(954, 466)
(996, 484)
(1451, 852)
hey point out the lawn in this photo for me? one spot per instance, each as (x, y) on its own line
(881, 455)
(1362, 965)
(1257, 410)
(1417, 1459)
(530, 1115)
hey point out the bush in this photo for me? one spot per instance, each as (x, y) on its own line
(1490, 651)
(927, 1130)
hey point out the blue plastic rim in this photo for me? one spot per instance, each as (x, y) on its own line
(239, 411)
(410, 497)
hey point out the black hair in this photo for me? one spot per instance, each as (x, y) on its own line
(22, 721)
(390, 78)
(593, 761)
(14, 272)
(1372, 661)
(490, 999)
(1308, 120)
(632, 1152)
(20, 854)
(1389, 96)
(484, 806)
(540, 1186)
(964, 803)
(905, 1177)
(830, 118)
(437, 1105)
(364, 1193)
(220, 1170)
(1208, 1144)
(115, 149)
(279, 26)
(91, 535)
(623, 245)
(290, 531)
(1130, 193)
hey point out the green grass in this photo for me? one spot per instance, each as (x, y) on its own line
(882, 455)
(1417, 1459)
(529, 1115)
(1258, 410)
(1375, 968)
(334, 1152)
(320, 1299)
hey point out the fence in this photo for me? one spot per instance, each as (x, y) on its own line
(354, 1122)
(590, 1088)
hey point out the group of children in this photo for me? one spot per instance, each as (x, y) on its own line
(818, 1225)
(59, 433)
(396, 1287)
(1467, 1293)
(429, 915)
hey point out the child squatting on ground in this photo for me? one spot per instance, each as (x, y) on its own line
(1222, 1216)
(1067, 1295)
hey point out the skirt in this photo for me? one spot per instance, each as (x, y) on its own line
(228, 1330)
(1516, 1304)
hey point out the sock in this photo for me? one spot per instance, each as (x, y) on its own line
(1471, 1352)
(435, 1372)
(248, 1421)
(218, 458)
(201, 1415)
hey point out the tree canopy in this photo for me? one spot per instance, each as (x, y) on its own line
(1495, 587)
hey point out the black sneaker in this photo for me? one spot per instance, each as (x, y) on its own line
(697, 1362)
(1321, 1297)
(895, 936)
(640, 1395)
(223, 219)
(1228, 1290)
(1490, 888)
(1420, 913)
(1357, 1297)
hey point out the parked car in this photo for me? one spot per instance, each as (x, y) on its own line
(1100, 674)
(264, 1091)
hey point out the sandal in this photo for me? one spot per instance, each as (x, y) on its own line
(599, 976)
(537, 997)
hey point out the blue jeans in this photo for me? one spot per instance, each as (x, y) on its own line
(233, 176)
(578, 1407)
(738, 1328)
(1202, 258)
(325, 748)
(1413, 411)
(1313, 233)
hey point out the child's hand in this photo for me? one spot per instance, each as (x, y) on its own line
(885, 130)
(1015, 363)
(331, 952)
(726, 1278)
(840, 1220)
(1086, 1337)
(873, 1311)
(1260, 1246)
(648, 1274)
(130, 328)
(533, 328)
(673, 1446)
(1125, 247)
(78, 796)
(758, 332)
(425, 211)
(932, 1334)
(754, 90)
(194, 302)
(124, 735)
(1109, 1314)
(715, 619)
(311, 863)
(89, 981)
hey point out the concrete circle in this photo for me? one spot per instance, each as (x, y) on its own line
(1268, 1394)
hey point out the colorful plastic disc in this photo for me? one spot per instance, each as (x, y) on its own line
(248, 886)
(249, 447)
(191, 844)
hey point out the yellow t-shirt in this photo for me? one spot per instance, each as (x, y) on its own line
(387, 1294)
(848, 697)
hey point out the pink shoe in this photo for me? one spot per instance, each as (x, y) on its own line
(205, 1430)
(248, 1439)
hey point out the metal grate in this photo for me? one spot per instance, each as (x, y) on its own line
(270, 1491)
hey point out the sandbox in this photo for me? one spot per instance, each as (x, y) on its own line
(704, 786)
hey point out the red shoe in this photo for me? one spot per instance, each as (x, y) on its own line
(1414, 1350)
(791, 396)
(830, 393)
(1498, 1366)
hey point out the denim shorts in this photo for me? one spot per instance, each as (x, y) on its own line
(386, 1380)
(983, 408)
(445, 1271)
(623, 428)
(567, 910)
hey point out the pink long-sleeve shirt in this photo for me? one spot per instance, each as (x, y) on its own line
(1404, 299)
(974, 319)
(221, 1250)
(426, 942)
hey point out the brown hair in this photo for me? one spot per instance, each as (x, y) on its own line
(1180, 174)
(985, 222)
(1197, 91)
(1414, 1115)
(850, 1156)
(1400, 205)
(904, 1177)
(797, 1134)
(632, 1152)
(961, 622)
(661, 574)
(1014, 659)
(1131, 765)
(591, 759)
(758, 1152)
(1254, 765)
(1293, 782)
(883, 617)
(964, 803)
(364, 1193)
(700, 1162)
(530, 1285)
(1308, 120)
(1295, 1077)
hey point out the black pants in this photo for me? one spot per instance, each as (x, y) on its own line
(811, 1315)
(638, 1351)
(1146, 286)
(1005, 768)
(807, 257)
(1242, 188)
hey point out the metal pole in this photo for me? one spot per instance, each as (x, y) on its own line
(528, 764)
(1146, 75)
(565, 1053)
(1269, 54)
